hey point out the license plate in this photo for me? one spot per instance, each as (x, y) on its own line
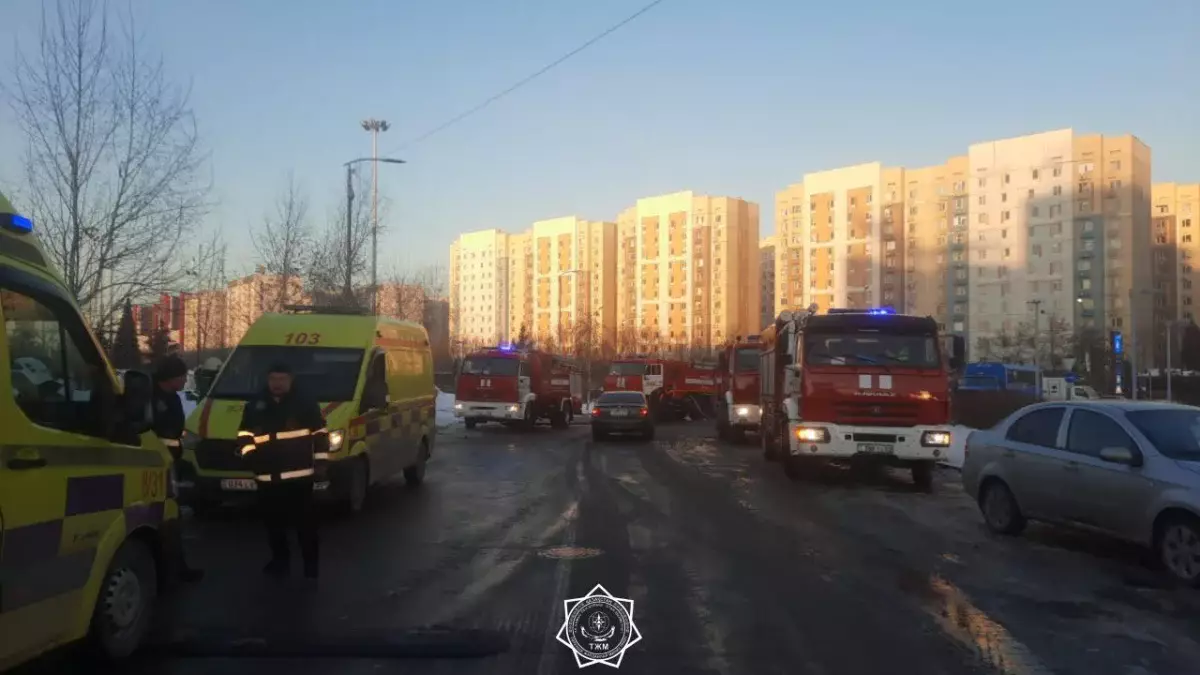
(240, 484)
(620, 413)
(877, 448)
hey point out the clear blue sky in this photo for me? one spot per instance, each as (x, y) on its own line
(721, 97)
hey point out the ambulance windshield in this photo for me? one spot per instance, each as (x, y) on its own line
(326, 374)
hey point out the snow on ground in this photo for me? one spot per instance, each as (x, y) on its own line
(445, 410)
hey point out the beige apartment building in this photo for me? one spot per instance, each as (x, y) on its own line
(479, 290)
(256, 294)
(766, 285)
(1175, 214)
(205, 316)
(688, 270)
(574, 281)
(1047, 233)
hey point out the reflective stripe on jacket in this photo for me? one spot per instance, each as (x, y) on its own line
(283, 439)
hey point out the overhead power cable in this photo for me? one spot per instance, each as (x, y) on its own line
(529, 78)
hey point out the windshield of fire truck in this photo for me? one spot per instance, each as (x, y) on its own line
(627, 369)
(746, 361)
(490, 365)
(856, 349)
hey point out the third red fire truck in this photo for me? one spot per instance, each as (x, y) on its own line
(738, 409)
(517, 386)
(857, 386)
(676, 388)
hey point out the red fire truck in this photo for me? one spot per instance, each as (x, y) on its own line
(738, 407)
(515, 385)
(676, 389)
(857, 386)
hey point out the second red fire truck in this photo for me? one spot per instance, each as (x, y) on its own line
(738, 408)
(676, 389)
(857, 386)
(517, 386)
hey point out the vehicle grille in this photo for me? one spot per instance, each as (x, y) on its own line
(878, 413)
(219, 455)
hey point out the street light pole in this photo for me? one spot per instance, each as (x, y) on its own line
(349, 281)
(375, 126)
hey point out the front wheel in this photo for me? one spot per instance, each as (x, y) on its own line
(1000, 510)
(125, 607)
(356, 489)
(922, 475)
(471, 423)
(1179, 549)
(415, 474)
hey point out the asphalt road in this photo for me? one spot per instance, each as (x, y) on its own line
(732, 569)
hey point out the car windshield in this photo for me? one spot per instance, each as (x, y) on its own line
(622, 398)
(627, 369)
(325, 373)
(856, 349)
(491, 365)
(746, 361)
(1174, 433)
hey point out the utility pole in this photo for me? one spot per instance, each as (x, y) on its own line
(375, 126)
(1037, 323)
(349, 288)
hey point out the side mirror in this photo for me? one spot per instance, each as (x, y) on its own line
(958, 352)
(1120, 456)
(135, 402)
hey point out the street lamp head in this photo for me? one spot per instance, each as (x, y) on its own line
(373, 124)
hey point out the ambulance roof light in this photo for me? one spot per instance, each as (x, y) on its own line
(16, 223)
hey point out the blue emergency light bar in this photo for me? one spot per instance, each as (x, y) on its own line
(872, 311)
(880, 311)
(16, 222)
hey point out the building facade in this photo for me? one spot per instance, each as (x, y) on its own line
(766, 285)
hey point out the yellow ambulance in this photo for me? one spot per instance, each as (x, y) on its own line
(373, 377)
(88, 522)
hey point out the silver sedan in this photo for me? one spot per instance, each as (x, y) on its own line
(1123, 468)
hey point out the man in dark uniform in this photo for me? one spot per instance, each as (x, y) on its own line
(284, 439)
(170, 377)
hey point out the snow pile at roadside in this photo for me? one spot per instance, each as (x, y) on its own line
(445, 409)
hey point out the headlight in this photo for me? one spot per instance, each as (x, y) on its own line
(335, 440)
(514, 408)
(935, 439)
(458, 406)
(812, 434)
(743, 411)
(189, 441)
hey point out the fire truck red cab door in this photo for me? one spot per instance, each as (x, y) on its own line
(653, 379)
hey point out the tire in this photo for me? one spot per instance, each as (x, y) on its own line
(1000, 511)
(768, 445)
(125, 607)
(415, 474)
(530, 419)
(1177, 546)
(922, 475)
(356, 490)
(470, 423)
(736, 435)
(793, 468)
(558, 419)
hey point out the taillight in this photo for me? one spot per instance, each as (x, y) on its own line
(645, 411)
(595, 412)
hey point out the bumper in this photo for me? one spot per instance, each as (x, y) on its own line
(239, 489)
(900, 444)
(745, 416)
(494, 411)
(618, 425)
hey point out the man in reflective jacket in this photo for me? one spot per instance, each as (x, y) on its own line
(170, 376)
(286, 443)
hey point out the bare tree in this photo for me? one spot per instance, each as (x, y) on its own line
(205, 304)
(113, 167)
(329, 261)
(284, 242)
(403, 296)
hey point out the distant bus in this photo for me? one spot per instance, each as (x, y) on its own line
(1003, 376)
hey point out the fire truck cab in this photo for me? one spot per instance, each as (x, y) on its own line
(676, 389)
(517, 386)
(857, 387)
(738, 408)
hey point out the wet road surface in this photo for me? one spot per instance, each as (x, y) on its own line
(732, 569)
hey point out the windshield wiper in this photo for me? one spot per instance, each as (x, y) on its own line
(861, 357)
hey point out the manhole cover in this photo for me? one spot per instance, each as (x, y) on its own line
(569, 552)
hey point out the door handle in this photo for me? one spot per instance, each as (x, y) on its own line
(25, 463)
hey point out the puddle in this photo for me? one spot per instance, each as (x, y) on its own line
(990, 641)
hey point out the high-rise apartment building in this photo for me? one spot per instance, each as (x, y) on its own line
(1047, 233)
(688, 271)
(1175, 212)
(573, 281)
(766, 275)
(479, 289)
(841, 239)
